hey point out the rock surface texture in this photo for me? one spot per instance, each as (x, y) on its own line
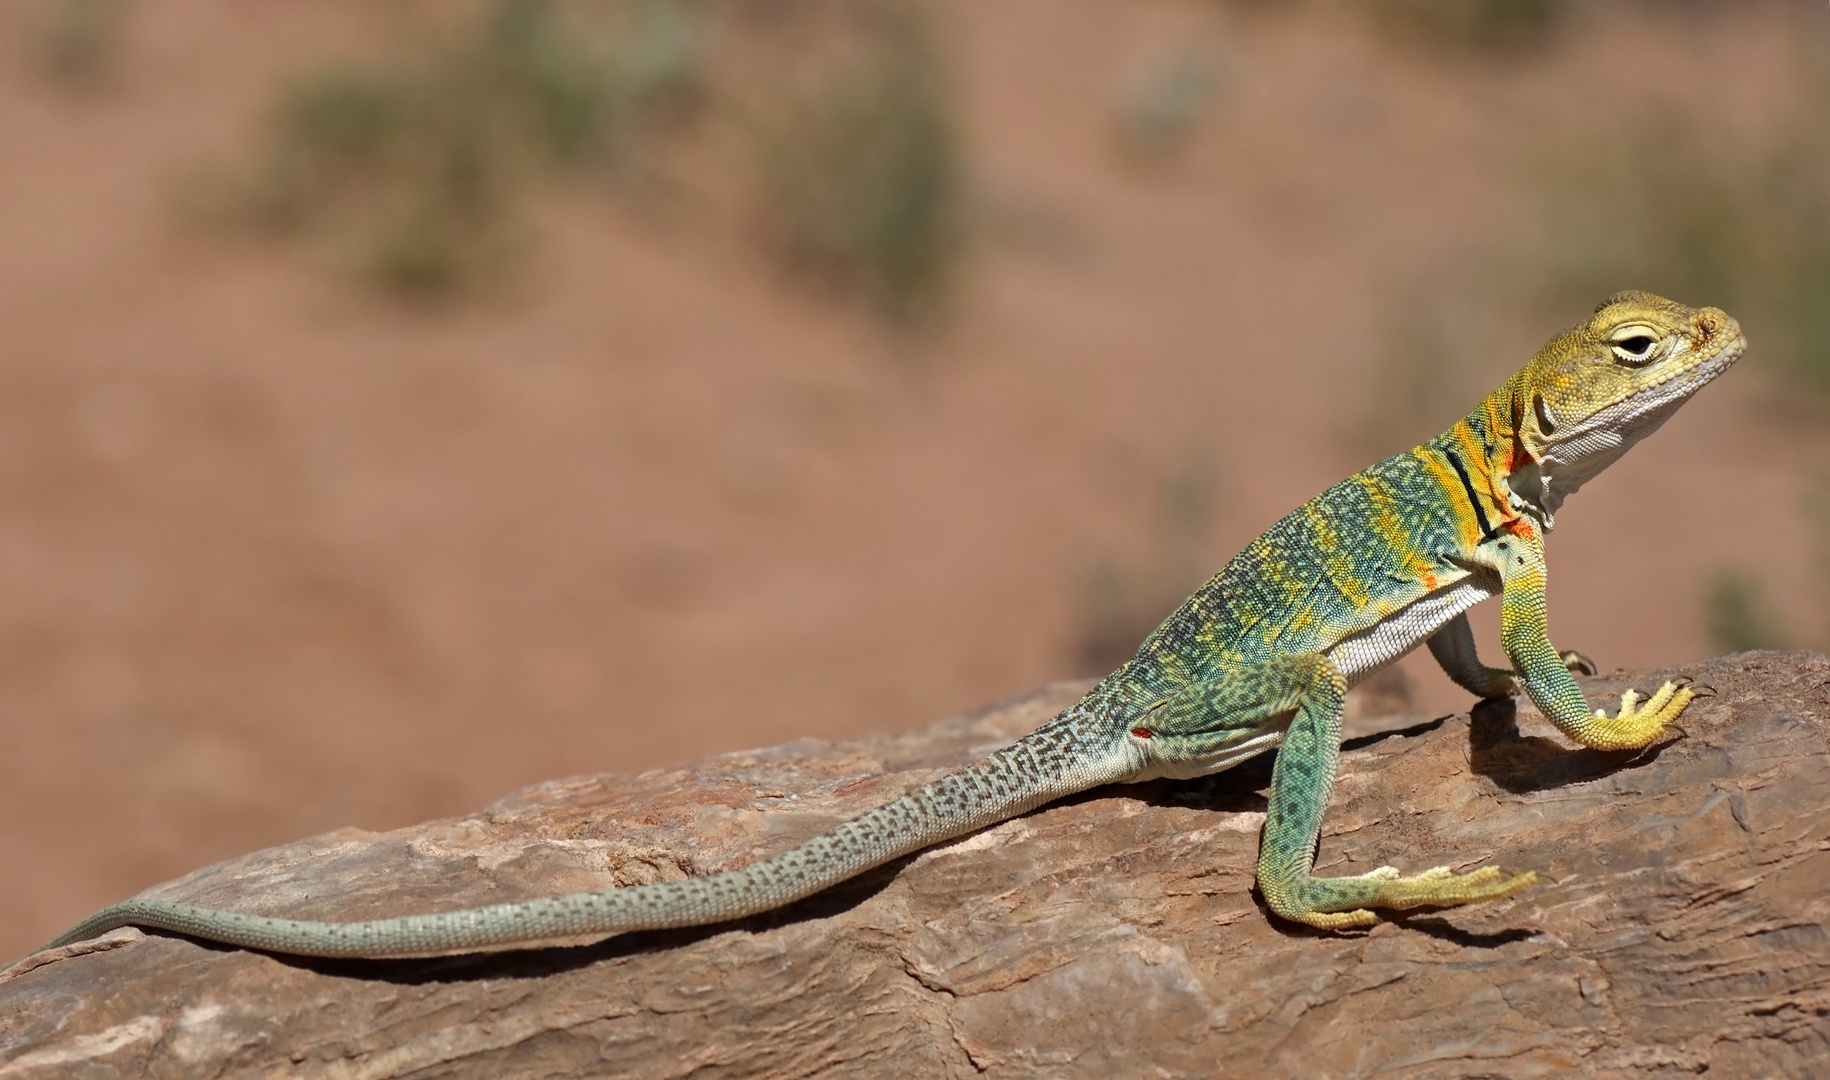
(1682, 929)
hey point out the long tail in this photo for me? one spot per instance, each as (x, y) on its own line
(1052, 762)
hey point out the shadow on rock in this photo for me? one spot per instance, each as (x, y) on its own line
(1522, 764)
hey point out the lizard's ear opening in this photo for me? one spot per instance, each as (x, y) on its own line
(1546, 423)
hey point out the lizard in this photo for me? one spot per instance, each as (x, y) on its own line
(1260, 657)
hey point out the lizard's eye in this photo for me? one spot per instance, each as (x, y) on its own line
(1635, 349)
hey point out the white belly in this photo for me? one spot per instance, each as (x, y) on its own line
(1365, 651)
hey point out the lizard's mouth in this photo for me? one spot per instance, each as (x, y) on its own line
(1639, 414)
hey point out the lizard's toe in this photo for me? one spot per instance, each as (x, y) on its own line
(1340, 920)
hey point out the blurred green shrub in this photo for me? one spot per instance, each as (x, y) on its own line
(861, 169)
(591, 82)
(417, 165)
(79, 39)
(1164, 96)
(1736, 615)
(406, 169)
(1480, 24)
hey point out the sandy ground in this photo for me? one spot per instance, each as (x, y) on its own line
(278, 555)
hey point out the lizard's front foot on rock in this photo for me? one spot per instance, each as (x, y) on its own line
(1637, 725)
(1384, 888)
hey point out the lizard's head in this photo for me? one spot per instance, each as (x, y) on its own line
(1601, 386)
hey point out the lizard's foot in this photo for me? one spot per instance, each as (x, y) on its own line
(1637, 725)
(1384, 888)
(1577, 663)
(1491, 683)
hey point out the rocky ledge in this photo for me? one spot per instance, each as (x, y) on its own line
(1681, 928)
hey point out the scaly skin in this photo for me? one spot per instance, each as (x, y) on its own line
(1261, 655)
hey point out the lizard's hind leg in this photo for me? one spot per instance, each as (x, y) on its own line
(1301, 783)
(1210, 725)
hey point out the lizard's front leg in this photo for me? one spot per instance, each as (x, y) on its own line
(1200, 721)
(1519, 555)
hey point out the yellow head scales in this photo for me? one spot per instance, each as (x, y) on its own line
(1602, 385)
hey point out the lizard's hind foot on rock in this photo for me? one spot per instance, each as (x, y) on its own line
(1384, 888)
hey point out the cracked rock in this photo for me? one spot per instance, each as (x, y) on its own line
(1680, 929)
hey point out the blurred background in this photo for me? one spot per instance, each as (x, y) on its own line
(404, 401)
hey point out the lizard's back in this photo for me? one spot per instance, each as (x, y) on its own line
(1363, 572)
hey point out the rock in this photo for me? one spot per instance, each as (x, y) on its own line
(1682, 928)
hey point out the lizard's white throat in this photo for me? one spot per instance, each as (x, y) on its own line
(1582, 449)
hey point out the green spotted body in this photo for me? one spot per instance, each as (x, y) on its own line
(1260, 656)
(1326, 577)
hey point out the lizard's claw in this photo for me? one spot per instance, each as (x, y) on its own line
(1340, 920)
(1442, 887)
(1577, 663)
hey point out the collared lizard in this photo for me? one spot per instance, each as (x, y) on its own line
(1260, 657)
